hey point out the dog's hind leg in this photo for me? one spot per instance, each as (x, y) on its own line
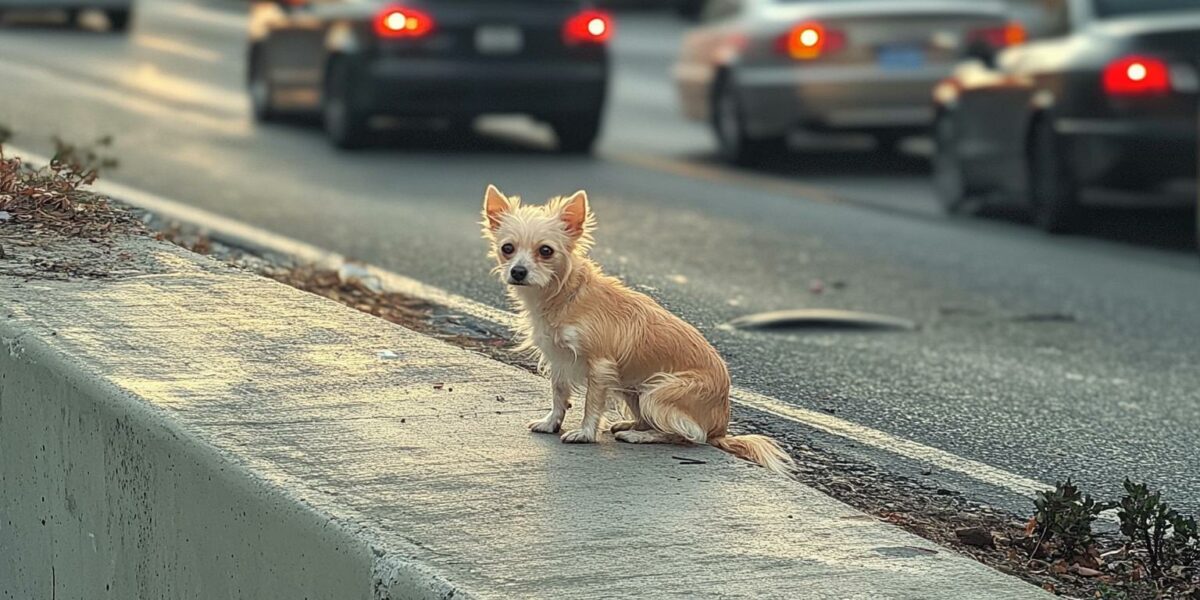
(662, 402)
(648, 437)
(632, 410)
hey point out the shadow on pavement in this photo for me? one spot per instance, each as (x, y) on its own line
(1172, 229)
(21, 21)
(455, 141)
(1163, 228)
(866, 163)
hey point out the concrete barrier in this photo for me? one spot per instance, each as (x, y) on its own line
(183, 430)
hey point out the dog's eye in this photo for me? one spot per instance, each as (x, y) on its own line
(546, 251)
(507, 249)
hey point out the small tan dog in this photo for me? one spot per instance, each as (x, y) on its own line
(593, 333)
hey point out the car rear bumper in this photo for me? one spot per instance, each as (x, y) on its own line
(779, 99)
(1132, 153)
(436, 86)
(63, 4)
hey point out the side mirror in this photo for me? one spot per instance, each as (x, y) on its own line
(690, 10)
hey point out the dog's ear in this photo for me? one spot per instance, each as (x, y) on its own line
(495, 204)
(577, 214)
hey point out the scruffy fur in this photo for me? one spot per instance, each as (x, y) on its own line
(595, 335)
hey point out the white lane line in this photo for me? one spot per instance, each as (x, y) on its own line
(240, 234)
(132, 102)
(169, 46)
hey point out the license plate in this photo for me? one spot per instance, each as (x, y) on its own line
(901, 58)
(499, 39)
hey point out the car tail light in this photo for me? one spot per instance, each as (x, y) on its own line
(402, 22)
(1003, 36)
(811, 40)
(588, 27)
(1137, 76)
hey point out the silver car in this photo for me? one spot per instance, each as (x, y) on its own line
(757, 70)
(118, 12)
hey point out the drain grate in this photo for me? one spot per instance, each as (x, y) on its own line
(821, 319)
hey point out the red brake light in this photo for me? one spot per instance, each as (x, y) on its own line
(1004, 36)
(588, 27)
(401, 22)
(1137, 76)
(811, 40)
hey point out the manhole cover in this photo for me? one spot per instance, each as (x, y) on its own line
(821, 319)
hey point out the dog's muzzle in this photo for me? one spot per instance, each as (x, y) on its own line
(518, 275)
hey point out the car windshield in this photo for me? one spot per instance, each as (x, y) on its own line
(1120, 8)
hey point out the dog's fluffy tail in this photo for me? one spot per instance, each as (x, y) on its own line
(758, 449)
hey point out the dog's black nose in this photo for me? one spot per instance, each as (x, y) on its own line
(518, 273)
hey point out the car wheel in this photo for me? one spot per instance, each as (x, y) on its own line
(948, 178)
(118, 20)
(1052, 186)
(889, 142)
(577, 133)
(346, 123)
(728, 123)
(260, 88)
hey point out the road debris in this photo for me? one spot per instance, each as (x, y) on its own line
(821, 319)
(356, 274)
(975, 536)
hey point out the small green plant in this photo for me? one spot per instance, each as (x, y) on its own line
(1064, 519)
(81, 163)
(1169, 541)
(1107, 592)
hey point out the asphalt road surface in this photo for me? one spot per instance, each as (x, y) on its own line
(1044, 356)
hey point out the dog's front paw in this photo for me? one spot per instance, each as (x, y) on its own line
(579, 436)
(545, 425)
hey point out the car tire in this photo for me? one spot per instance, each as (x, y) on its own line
(260, 88)
(890, 143)
(949, 180)
(1053, 191)
(118, 20)
(577, 134)
(346, 123)
(728, 122)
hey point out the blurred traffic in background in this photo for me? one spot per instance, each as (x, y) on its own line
(1041, 106)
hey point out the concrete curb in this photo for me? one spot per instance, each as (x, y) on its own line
(116, 463)
(208, 433)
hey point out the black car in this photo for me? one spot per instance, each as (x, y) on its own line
(351, 61)
(1107, 100)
